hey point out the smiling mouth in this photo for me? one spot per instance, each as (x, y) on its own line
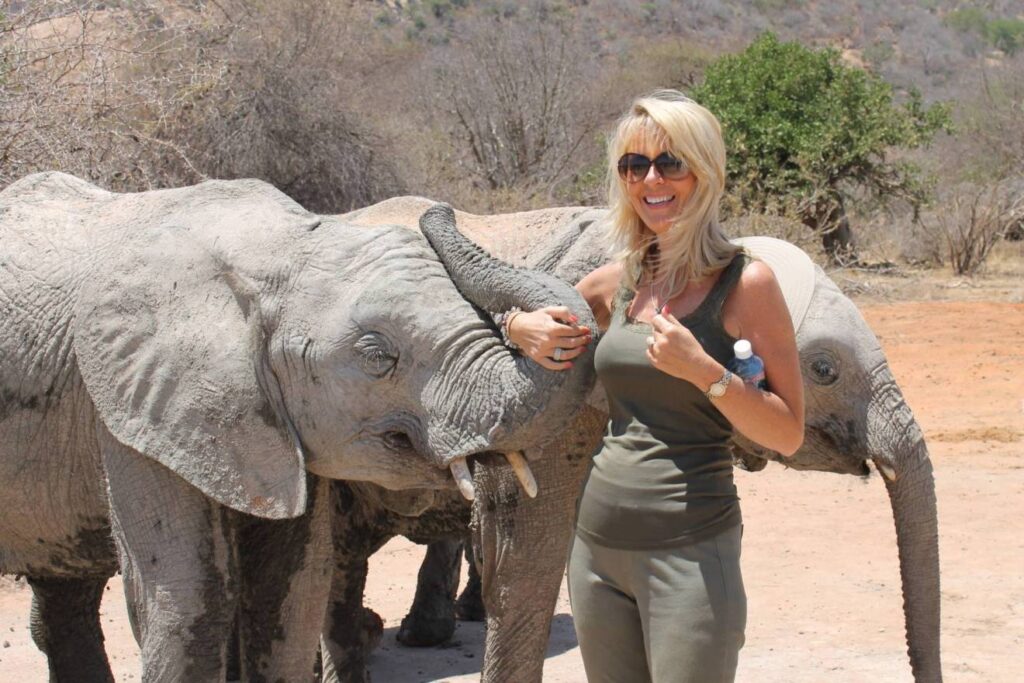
(658, 201)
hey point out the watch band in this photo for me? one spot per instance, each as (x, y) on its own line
(717, 389)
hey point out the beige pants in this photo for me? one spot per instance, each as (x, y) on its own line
(672, 615)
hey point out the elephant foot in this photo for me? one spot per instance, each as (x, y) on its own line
(66, 628)
(373, 631)
(418, 630)
(470, 605)
(343, 654)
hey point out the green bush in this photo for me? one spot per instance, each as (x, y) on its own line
(1004, 34)
(804, 130)
(967, 20)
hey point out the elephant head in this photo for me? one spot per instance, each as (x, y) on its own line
(238, 339)
(856, 414)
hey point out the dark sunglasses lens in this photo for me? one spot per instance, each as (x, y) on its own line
(634, 167)
(671, 168)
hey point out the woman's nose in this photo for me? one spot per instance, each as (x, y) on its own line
(653, 175)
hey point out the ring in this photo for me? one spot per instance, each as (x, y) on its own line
(557, 355)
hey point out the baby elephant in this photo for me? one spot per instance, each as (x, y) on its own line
(175, 366)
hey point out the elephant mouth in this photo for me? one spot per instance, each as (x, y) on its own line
(823, 442)
(401, 437)
(459, 467)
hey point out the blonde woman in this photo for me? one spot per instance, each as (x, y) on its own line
(654, 573)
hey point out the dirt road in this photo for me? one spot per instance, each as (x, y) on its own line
(819, 559)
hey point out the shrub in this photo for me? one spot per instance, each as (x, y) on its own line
(973, 221)
(803, 129)
(160, 95)
(1002, 33)
(509, 98)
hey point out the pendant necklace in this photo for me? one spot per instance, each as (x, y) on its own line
(672, 292)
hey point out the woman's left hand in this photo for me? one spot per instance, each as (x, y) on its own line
(674, 350)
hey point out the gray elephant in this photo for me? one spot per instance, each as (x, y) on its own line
(175, 364)
(855, 414)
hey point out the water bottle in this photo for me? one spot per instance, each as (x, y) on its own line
(748, 365)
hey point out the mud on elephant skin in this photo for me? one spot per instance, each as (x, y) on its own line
(856, 415)
(182, 360)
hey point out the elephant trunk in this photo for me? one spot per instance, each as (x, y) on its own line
(912, 495)
(907, 471)
(528, 401)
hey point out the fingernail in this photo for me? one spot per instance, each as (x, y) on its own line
(573, 319)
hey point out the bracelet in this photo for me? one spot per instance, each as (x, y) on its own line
(504, 320)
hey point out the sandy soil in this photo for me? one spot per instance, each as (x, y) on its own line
(819, 550)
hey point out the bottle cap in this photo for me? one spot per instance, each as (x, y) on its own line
(742, 349)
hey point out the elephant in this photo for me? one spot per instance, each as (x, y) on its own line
(181, 374)
(855, 416)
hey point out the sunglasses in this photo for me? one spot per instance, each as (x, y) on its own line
(634, 167)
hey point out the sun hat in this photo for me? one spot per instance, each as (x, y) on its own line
(793, 269)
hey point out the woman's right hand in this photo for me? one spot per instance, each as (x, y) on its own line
(539, 333)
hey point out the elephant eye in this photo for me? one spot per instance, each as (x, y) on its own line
(824, 371)
(378, 356)
(397, 440)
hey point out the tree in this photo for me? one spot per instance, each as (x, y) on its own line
(510, 97)
(804, 131)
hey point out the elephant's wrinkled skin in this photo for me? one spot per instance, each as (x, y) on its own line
(184, 357)
(855, 414)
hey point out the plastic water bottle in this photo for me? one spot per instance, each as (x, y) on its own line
(748, 365)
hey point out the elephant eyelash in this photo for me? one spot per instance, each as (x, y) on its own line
(379, 360)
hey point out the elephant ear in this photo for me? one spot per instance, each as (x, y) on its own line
(171, 346)
(793, 269)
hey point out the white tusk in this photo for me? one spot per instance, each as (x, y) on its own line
(463, 479)
(887, 471)
(518, 462)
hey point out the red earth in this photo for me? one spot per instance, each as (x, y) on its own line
(819, 556)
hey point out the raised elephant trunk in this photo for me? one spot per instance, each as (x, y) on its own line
(529, 399)
(907, 471)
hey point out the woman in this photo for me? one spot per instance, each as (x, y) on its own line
(654, 575)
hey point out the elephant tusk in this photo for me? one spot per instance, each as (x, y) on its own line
(522, 470)
(463, 479)
(887, 471)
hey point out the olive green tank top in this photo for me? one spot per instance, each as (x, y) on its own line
(663, 473)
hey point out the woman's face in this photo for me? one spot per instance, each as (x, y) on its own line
(657, 200)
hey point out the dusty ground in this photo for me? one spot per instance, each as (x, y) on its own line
(819, 550)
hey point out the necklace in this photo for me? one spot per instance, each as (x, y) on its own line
(662, 298)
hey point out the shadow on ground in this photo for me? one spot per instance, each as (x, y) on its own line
(460, 657)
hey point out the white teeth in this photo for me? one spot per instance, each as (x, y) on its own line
(522, 471)
(658, 200)
(463, 479)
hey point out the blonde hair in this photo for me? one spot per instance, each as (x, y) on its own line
(694, 245)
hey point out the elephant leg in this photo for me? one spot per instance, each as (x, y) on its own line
(431, 620)
(351, 631)
(470, 605)
(66, 628)
(286, 578)
(177, 552)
